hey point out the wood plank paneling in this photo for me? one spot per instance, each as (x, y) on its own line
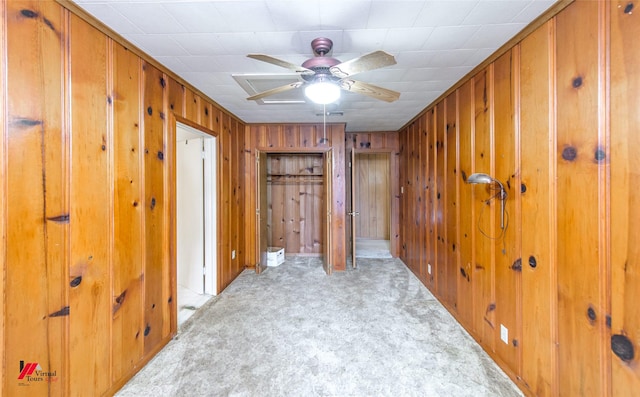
(431, 204)
(192, 104)
(507, 251)
(537, 139)
(450, 236)
(36, 203)
(416, 196)
(90, 215)
(127, 294)
(336, 138)
(176, 98)
(90, 161)
(466, 225)
(543, 125)
(236, 204)
(439, 267)
(580, 308)
(226, 201)
(484, 211)
(625, 199)
(155, 202)
(3, 180)
(423, 243)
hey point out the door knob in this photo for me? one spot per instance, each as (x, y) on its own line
(354, 213)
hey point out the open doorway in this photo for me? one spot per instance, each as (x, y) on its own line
(196, 222)
(294, 199)
(371, 204)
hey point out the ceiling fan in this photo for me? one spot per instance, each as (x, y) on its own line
(322, 73)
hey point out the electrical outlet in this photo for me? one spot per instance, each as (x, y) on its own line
(504, 334)
(233, 254)
(429, 268)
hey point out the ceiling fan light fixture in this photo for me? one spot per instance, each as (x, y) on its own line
(322, 92)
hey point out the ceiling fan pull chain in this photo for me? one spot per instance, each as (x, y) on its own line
(324, 122)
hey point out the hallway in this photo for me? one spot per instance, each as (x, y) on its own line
(293, 331)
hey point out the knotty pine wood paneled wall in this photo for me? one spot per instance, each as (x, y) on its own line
(555, 120)
(295, 138)
(88, 201)
(377, 142)
(295, 197)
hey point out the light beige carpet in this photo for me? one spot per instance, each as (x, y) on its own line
(294, 331)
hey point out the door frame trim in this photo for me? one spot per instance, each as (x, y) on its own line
(174, 119)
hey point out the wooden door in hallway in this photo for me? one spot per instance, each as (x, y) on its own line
(373, 199)
(354, 209)
(261, 210)
(328, 195)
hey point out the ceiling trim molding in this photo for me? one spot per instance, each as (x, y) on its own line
(91, 20)
(535, 24)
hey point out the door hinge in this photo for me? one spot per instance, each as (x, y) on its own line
(204, 155)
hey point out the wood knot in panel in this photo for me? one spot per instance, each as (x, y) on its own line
(64, 218)
(23, 122)
(533, 262)
(149, 110)
(599, 155)
(463, 273)
(577, 82)
(60, 313)
(622, 347)
(591, 314)
(119, 301)
(28, 13)
(76, 282)
(517, 265)
(147, 329)
(569, 153)
(629, 8)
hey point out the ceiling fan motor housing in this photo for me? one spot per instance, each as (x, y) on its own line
(321, 46)
(321, 64)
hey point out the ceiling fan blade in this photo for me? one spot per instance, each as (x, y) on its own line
(276, 90)
(369, 90)
(281, 63)
(374, 60)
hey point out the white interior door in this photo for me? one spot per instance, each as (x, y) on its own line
(196, 210)
(190, 214)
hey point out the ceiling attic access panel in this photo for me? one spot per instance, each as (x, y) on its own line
(295, 200)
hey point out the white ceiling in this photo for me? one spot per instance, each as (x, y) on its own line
(205, 42)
